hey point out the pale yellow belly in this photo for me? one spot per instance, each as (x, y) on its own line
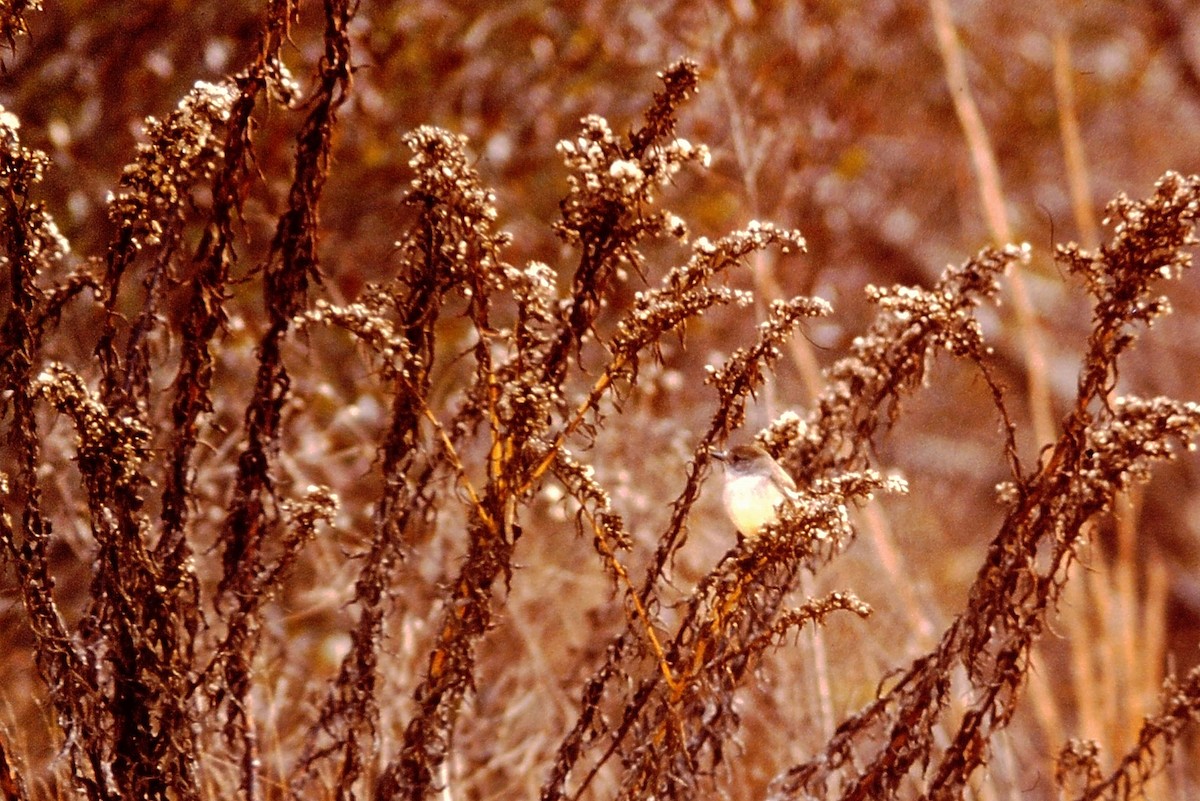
(751, 503)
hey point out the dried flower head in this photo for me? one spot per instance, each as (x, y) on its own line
(180, 151)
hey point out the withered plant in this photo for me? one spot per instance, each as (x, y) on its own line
(156, 675)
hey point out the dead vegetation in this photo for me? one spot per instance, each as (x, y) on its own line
(495, 383)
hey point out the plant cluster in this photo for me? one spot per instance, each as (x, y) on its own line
(156, 680)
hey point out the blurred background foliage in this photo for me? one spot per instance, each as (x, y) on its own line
(829, 116)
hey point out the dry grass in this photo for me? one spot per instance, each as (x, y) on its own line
(261, 540)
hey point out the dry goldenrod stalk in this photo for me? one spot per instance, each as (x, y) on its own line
(494, 381)
(1105, 446)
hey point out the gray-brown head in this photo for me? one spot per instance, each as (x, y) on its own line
(751, 459)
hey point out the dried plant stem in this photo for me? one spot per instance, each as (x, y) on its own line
(991, 194)
(603, 543)
(1112, 687)
(1078, 179)
(983, 155)
(227, 626)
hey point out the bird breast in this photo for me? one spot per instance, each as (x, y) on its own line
(751, 502)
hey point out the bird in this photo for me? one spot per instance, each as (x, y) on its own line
(755, 485)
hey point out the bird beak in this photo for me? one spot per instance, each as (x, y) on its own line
(716, 454)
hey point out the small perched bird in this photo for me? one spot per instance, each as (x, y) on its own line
(755, 485)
